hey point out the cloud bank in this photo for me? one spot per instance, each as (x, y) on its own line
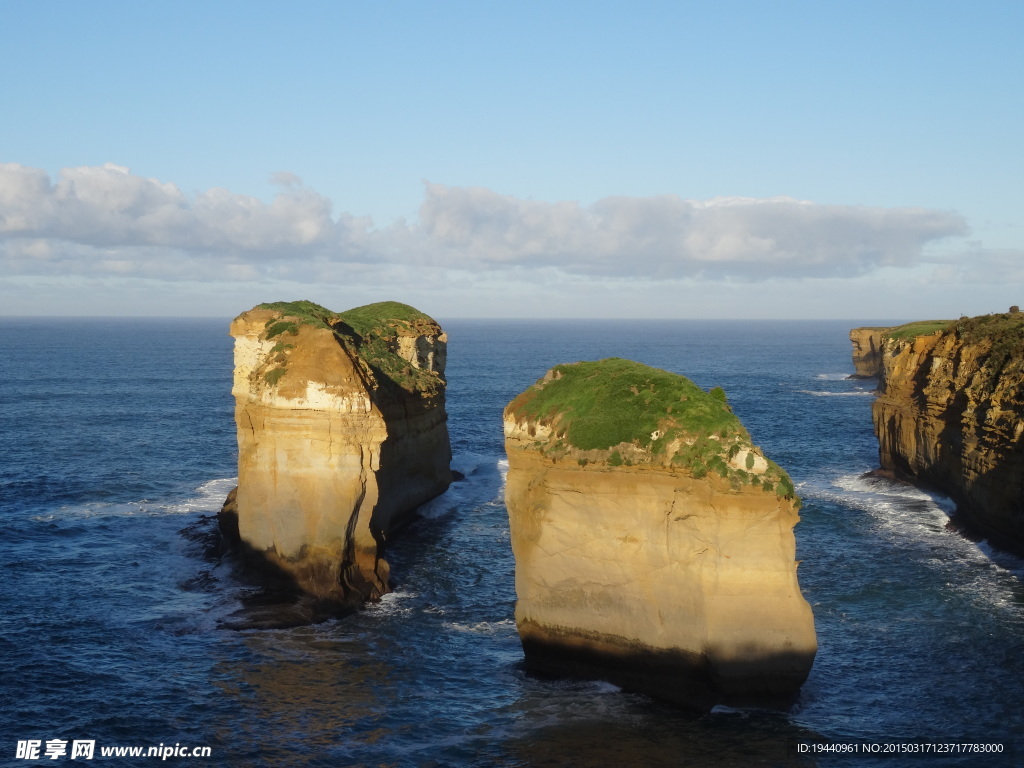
(669, 237)
(105, 221)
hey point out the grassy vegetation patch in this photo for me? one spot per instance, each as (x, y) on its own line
(305, 312)
(379, 353)
(604, 403)
(919, 328)
(370, 332)
(281, 326)
(383, 316)
(274, 376)
(1003, 328)
(633, 411)
(1005, 335)
(377, 328)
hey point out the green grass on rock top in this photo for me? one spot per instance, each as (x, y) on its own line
(369, 318)
(918, 328)
(369, 331)
(618, 408)
(604, 403)
(1002, 332)
(373, 318)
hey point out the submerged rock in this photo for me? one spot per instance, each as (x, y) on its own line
(950, 416)
(653, 541)
(342, 433)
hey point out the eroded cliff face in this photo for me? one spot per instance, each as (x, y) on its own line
(664, 565)
(950, 416)
(867, 352)
(341, 434)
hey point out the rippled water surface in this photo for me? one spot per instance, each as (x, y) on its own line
(119, 445)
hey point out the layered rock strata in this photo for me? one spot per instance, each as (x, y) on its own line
(950, 416)
(653, 541)
(342, 433)
(867, 352)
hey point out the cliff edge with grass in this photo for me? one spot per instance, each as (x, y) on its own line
(342, 433)
(653, 540)
(950, 416)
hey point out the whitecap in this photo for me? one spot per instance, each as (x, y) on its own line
(209, 497)
(469, 464)
(917, 520)
(482, 627)
(604, 687)
(392, 603)
(1005, 560)
(722, 709)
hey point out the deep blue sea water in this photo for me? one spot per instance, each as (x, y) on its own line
(118, 446)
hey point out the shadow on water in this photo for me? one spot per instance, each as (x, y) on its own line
(306, 696)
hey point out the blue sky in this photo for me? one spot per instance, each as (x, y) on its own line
(856, 160)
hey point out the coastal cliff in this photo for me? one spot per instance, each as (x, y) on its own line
(653, 541)
(950, 416)
(867, 352)
(342, 433)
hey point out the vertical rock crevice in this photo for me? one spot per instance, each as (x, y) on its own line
(342, 433)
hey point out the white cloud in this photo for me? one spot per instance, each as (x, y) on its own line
(669, 237)
(108, 207)
(106, 221)
(979, 265)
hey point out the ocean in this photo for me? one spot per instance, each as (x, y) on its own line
(116, 611)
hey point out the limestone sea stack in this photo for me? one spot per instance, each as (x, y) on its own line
(653, 540)
(342, 433)
(950, 416)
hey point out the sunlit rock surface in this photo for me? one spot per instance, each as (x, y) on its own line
(950, 416)
(867, 352)
(653, 541)
(342, 433)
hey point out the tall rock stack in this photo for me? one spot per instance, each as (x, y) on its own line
(653, 541)
(342, 433)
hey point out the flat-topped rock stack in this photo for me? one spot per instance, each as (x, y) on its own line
(653, 540)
